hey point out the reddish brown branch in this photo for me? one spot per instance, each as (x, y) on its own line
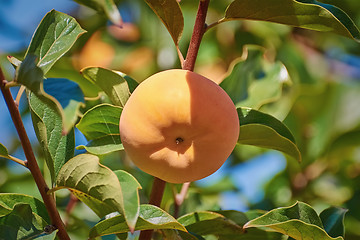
(31, 162)
(157, 192)
(198, 32)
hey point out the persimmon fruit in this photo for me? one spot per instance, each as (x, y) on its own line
(179, 126)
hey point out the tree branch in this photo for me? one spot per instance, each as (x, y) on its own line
(156, 195)
(32, 165)
(198, 32)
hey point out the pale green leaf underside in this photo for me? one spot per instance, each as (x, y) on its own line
(93, 183)
(151, 217)
(170, 13)
(307, 14)
(54, 36)
(299, 221)
(262, 130)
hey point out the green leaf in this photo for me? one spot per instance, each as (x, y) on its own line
(111, 82)
(21, 223)
(262, 130)
(104, 6)
(9, 200)
(5, 154)
(92, 183)
(30, 75)
(299, 221)
(205, 223)
(151, 217)
(47, 121)
(70, 97)
(333, 220)
(130, 190)
(253, 81)
(170, 13)
(54, 36)
(100, 125)
(307, 14)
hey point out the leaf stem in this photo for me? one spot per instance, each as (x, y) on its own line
(19, 161)
(156, 195)
(198, 32)
(214, 24)
(32, 165)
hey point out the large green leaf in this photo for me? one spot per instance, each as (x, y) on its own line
(151, 217)
(255, 81)
(130, 190)
(9, 200)
(170, 13)
(111, 82)
(262, 130)
(54, 36)
(47, 121)
(309, 14)
(205, 223)
(100, 125)
(104, 6)
(21, 223)
(93, 183)
(333, 221)
(299, 221)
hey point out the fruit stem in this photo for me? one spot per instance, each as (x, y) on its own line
(198, 32)
(31, 162)
(156, 195)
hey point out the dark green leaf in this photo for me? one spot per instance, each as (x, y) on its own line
(299, 221)
(169, 12)
(308, 14)
(100, 125)
(111, 82)
(21, 223)
(104, 6)
(93, 183)
(54, 36)
(333, 221)
(9, 200)
(262, 130)
(47, 121)
(151, 217)
(205, 223)
(130, 189)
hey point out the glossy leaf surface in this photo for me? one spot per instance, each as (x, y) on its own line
(54, 36)
(262, 130)
(151, 217)
(333, 220)
(299, 221)
(100, 125)
(308, 14)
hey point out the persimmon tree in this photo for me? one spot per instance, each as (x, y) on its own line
(256, 51)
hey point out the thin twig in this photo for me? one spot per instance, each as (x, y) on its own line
(156, 195)
(214, 24)
(19, 94)
(198, 32)
(179, 198)
(32, 165)
(19, 161)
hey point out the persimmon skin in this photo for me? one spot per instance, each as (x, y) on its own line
(179, 126)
